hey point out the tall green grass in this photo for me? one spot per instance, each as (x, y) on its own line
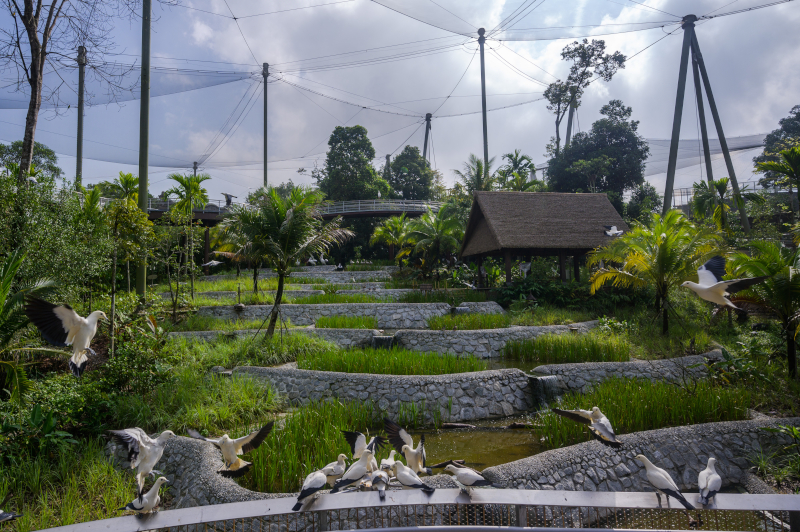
(224, 285)
(455, 297)
(347, 322)
(328, 299)
(194, 322)
(566, 348)
(363, 268)
(541, 316)
(634, 405)
(389, 362)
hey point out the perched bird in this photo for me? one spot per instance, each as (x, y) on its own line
(711, 287)
(709, 482)
(358, 444)
(353, 279)
(32, 180)
(379, 481)
(404, 444)
(312, 261)
(10, 516)
(212, 263)
(611, 230)
(409, 479)
(144, 452)
(355, 472)
(335, 470)
(663, 483)
(467, 478)
(525, 267)
(234, 466)
(310, 490)
(322, 259)
(145, 504)
(228, 198)
(598, 424)
(61, 326)
(388, 463)
(339, 267)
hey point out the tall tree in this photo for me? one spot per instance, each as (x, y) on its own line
(435, 235)
(45, 159)
(785, 137)
(411, 177)
(191, 195)
(476, 177)
(715, 198)
(644, 201)
(785, 170)
(392, 232)
(348, 172)
(592, 169)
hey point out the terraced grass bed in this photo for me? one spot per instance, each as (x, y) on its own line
(542, 316)
(230, 285)
(567, 348)
(208, 323)
(455, 297)
(328, 299)
(394, 361)
(347, 322)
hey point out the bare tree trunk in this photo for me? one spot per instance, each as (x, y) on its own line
(33, 112)
(665, 317)
(255, 279)
(276, 307)
(391, 251)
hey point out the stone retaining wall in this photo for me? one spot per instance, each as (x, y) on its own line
(482, 343)
(342, 337)
(478, 395)
(386, 293)
(327, 276)
(683, 451)
(581, 376)
(389, 315)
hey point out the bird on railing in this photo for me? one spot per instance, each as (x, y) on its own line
(322, 259)
(404, 444)
(467, 478)
(144, 452)
(310, 490)
(663, 483)
(355, 472)
(708, 482)
(598, 423)
(713, 288)
(335, 470)
(147, 503)
(7, 516)
(409, 479)
(234, 466)
(358, 444)
(379, 480)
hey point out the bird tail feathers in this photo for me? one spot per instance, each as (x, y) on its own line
(427, 489)
(296, 507)
(681, 499)
(79, 368)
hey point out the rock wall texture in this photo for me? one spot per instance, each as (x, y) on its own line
(341, 337)
(683, 451)
(482, 343)
(581, 376)
(389, 315)
(326, 276)
(455, 397)
(247, 291)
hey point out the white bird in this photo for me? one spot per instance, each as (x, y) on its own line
(598, 423)
(379, 194)
(711, 287)
(312, 261)
(339, 267)
(335, 470)
(234, 466)
(663, 483)
(358, 444)
(10, 516)
(409, 479)
(467, 478)
(404, 444)
(611, 230)
(32, 180)
(709, 482)
(322, 259)
(525, 267)
(144, 452)
(310, 490)
(145, 504)
(212, 263)
(379, 481)
(388, 463)
(355, 472)
(353, 279)
(61, 326)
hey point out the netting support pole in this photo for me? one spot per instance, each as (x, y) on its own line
(722, 142)
(144, 134)
(265, 72)
(427, 129)
(481, 41)
(688, 25)
(79, 148)
(701, 112)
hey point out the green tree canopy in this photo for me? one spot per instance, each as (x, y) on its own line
(644, 201)
(44, 158)
(475, 177)
(348, 172)
(411, 177)
(785, 137)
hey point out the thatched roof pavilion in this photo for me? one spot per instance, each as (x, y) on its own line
(536, 224)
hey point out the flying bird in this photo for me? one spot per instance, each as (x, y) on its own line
(355, 472)
(10, 516)
(234, 466)
(379, 481)
(611, 230)
(312, 261)
(147, 503)
(404, 444)
(663, 483)
(409, 479)
(467, 478)
(61, 326)
(212, 263)
(310, 490)
(358, 444)
(709, 482)
(713, 288)
(144, 452)
(598, 423)
(335, 470)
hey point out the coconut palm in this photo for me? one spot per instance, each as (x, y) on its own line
(391, 232)
(234, 243)
(715, 198)
(779, 294)
(663, 256)
(520, 183)
(435, 235)
(520, 163)
(191, 195)
(282, 231)
(788, 167)
(475, 177)
(126, 187)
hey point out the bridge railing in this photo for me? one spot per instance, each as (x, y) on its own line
(349, 207)
(448, 509)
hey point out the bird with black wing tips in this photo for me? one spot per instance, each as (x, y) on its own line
(467, 478)
(598, 424)
(358, 444)
(231, 449)
(148, 502)
(61, 326)
(211, 264)
(310, 490)
(404, 444)
(663, 483)
(144, 452)
(611, 230)
(7, 516)
(712, 287)
(355, 472)
(708, 482)
(335, 470)
(379, 481)
(408, 478)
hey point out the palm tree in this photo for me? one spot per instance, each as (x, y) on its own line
(391, 232)
(713, 197)
(520, 183)
(236, 244)
(435, 235)
(475, 177)
(779, 294)
(190, 196)
(126, 187)
(520, 163)
(281, 231)
(662, 255)
(788, 166)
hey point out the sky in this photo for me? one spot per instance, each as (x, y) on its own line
(752, 60)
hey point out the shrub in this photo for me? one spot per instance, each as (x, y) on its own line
(573, 295)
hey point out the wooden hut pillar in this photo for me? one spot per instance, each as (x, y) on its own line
(576, 267)
(562, 269)
(507, 257)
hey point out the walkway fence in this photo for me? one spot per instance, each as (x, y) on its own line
(368, 206)
(488, 509)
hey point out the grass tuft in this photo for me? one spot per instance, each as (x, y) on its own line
(567, 348)
(327, 299)
(541, 316)
(455, 297)
(347, 322)
(389, 362)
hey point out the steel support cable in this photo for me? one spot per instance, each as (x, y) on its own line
(503, 44)
(491, 110)
(744, 10)
(348, 92)
(459, 18)
(458, 82)
(522, 6)
(422, 21)
(208, 148)
(654, 8)
(511, 24)
(241, 32)
(238, 122)
(517, 69)
(323, 140)
(295, 87)
(411, 135)
(258, 14)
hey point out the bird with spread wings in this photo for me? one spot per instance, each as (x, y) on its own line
(231, 449)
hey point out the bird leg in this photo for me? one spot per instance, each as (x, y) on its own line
(659, 499)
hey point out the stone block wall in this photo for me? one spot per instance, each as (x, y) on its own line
(478, 395)
(345, 338)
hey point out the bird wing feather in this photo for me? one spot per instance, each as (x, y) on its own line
(735, 285)
(376, 444)
(56, 323)
(357, 442)
(604, 432)
(397, 435)
(131, 442)
(715, 266)
(245, 444)
(421, 449)
(197, 436)
(581, 416)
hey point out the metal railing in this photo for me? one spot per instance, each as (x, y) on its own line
(350, 207)
(448, 509)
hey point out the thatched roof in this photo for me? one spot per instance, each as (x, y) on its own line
(538, 222)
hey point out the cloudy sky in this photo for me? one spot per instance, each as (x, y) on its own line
(330, 62)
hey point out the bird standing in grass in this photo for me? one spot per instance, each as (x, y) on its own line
(711, 287)
(598, 423)
(663, 483)
(61, 326)
(335, 470)
(234, 466)
(409, 479)
(310, 490)
(355, 472)
(144, 452)
(709, 482)
(467, 478)
(404, 444)
(7, 516)
(147, 503)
